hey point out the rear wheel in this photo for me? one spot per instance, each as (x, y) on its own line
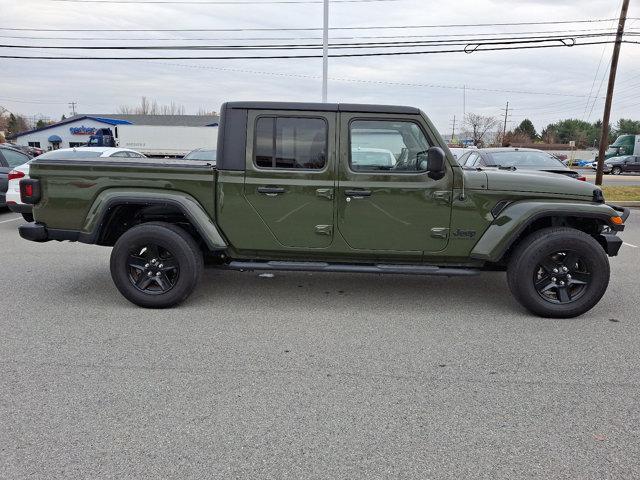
(616, 171)
(558, 272)
(156, 265)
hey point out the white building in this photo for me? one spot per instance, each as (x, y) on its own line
(75, 131)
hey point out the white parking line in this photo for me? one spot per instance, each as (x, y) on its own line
(629, 245)
(12, 220)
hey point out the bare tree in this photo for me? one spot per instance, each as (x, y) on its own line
(151, 107)
(172, 109)
(125, 110)
(478, 126)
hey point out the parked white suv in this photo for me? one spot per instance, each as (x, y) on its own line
(18, 173)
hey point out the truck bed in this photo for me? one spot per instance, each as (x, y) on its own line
(70, 187)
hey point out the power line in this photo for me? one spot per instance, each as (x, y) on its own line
(222, 2)
(309, 46)
(464, 88)
(478, 48)
(565, 32)
(16, 100)
(302, 29)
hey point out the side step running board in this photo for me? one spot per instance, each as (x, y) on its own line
(353, 268)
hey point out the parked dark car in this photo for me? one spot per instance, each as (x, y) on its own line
(618, 165)
(9, 158)
(518, 159)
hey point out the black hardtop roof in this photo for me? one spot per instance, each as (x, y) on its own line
(323, 107)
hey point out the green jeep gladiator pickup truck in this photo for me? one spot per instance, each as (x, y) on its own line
(331, 188)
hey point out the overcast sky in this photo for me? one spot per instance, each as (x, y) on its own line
(45, 87)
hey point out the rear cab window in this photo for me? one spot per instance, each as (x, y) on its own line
(291, 143)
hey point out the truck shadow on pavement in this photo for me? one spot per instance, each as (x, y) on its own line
(295, 291)
(397, 293)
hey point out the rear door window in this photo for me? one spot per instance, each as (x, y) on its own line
(291, 143)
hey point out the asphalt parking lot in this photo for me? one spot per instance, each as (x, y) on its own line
(310, 376)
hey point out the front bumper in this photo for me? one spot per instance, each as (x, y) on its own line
(624, 211)
(610, 242)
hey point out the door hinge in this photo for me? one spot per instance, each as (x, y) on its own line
(325, 192)
(440, 232)
(324, 229)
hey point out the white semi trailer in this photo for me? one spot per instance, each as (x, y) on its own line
(157, 141)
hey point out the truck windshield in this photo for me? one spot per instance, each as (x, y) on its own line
(524, 158)
(611, 151)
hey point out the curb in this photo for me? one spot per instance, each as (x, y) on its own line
(626, 203)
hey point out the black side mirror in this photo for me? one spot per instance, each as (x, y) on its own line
(434, 162)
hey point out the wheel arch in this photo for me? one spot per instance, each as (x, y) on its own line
(520, 219)
(115, 211)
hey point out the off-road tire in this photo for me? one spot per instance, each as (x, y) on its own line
(184, 251)
(616, 171)
(533, 250)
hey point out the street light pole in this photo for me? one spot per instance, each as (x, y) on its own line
(325, 51)
(604, 139)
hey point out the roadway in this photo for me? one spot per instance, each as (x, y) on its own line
(624, 179)
(310, 376)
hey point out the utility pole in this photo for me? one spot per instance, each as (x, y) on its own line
(453, 129)
(325, 52)
(612, 80)
(464, 102)
(72, 106)
(506, 115)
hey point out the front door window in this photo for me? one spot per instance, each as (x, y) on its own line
(386, 146)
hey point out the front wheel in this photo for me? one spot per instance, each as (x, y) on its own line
(616, 171)
(558, 272)
(156, 265)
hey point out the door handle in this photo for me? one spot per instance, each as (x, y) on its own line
(357, 193)
(271, 191)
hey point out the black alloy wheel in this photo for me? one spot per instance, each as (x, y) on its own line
(558, 272)
(153, 269)
(156, 264)
(562, 277)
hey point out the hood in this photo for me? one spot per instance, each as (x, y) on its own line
(538, 182)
